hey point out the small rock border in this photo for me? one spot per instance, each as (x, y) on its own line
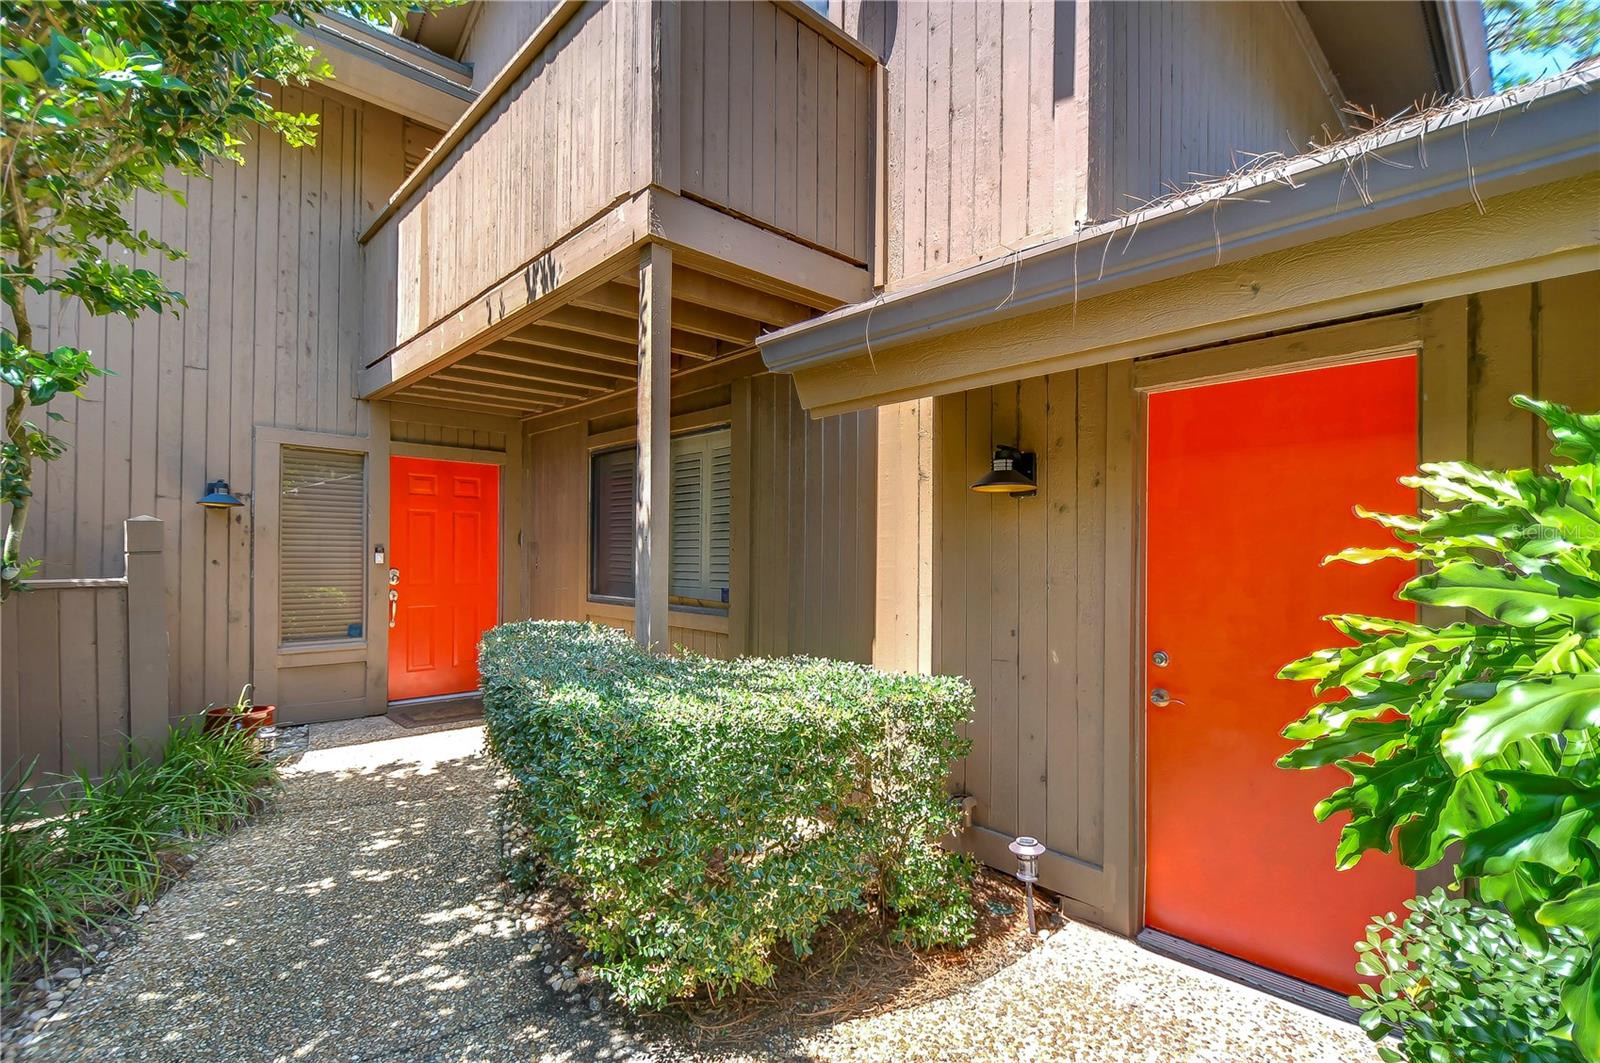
(43, 999)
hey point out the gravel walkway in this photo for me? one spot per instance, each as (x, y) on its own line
(361, 919)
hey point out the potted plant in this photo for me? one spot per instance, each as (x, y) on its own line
(243, 715)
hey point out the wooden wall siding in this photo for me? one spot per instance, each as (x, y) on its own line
(1020, 605)
(981, 126)
(775, 123)
(1536, 339)
(273, 282)
(559, 147)
(497, 31)
(65, 688)
(812, 516)
(558, 523)
(1193, 88)
(694, 639)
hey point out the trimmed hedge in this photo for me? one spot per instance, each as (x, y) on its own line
(702, 811)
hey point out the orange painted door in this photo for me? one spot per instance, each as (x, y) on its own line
(1250, 484)
(444, 559)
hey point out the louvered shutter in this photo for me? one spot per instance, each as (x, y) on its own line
(699, 521)
(611, 525)
(322, 530)
(688, 516)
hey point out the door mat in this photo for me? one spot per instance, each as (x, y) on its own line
(457, 710)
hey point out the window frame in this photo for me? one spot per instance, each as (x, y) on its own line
(613, 443)
(335, 642)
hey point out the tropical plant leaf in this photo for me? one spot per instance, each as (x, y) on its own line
(1580, 1001)
(1576, 435)
(1522, 710)
(1579, 909)
(1521, 600)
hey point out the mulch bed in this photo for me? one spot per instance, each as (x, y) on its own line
(854, 971)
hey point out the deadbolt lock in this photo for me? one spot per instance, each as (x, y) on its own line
(394, 577)
(1160, 659)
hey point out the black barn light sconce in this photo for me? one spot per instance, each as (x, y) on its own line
(218, 496)
(1011, 473)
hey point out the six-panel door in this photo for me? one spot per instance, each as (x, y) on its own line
(444, 573)
(1250, 485)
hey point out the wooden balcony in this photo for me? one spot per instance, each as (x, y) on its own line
(503, 275)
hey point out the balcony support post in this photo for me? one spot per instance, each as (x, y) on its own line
(653, 469)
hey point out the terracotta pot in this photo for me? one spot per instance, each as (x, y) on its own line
(222, 717)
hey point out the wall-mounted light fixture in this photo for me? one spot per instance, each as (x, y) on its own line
(218, 496)
(1011, 473)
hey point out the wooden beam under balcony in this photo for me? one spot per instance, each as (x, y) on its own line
(623, 302)
(540, 361)
(601, 348)
(550, 368)
(463, 373)
(597, 323)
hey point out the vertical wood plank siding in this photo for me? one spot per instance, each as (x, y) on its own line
(497, 31)
(973, 154)
(811, 514)
(273, 282)
(1009, 123)
(1024, 589)
(758, 86)
(550, 155)
(1193, 90)
(65, 690)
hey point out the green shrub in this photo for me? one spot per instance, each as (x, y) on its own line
(99, 850)
(1458, 985)
(704, 811)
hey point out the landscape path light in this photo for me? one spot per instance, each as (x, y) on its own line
(1027, 850)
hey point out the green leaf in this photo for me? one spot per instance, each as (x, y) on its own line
(1360, 737)
(1577, 436)
(1522, 710)
(1579, 909)
(1580, 1000)
(1521, 600)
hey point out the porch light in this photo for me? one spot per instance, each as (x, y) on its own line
(1011, 473)
(218, 496)
(1027, 850)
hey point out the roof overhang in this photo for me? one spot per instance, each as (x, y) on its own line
(390, 71)
(1253, 232)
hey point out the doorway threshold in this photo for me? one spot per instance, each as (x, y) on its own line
(1264, 979)
(439, 709)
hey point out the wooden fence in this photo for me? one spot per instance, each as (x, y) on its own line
(85, 666)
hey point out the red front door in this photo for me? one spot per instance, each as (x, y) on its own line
(1250, 484)
(444, 518)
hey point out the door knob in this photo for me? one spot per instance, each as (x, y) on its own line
(394, 605)
(1161, 699)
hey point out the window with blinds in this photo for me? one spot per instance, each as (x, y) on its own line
(700, 519)
(322, 531)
